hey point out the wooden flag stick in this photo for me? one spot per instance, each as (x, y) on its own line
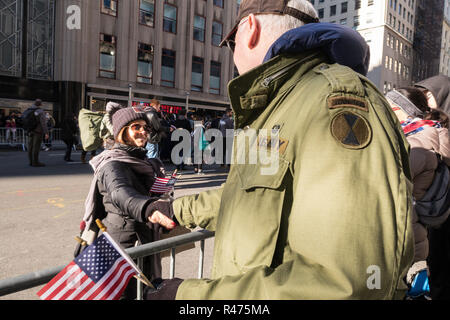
(81, 241)
(100, 225)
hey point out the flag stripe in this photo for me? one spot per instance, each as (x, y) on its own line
(95, 290)
(115, 295)
(82, 290)
(52, 287)
(118, 273)
(63, 282)
(71, 286)
(116, 285)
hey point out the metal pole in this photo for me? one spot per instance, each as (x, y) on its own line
(172, 263)
(187, 101)
(201, 259)
(140, 263)
(130, 95)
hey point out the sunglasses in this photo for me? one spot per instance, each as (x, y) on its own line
(140, 127)
(231, 43)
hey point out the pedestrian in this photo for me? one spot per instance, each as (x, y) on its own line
(11, 128)
(37, 134)
(50, 122)
(182, 123)
(153, 113)
(199, 144)
(330, 219)
(123, 176)
(225, 126)
(429, 141)
(69, 132)
(437, 91)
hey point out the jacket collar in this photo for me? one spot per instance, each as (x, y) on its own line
(137, 152)
(253, 91)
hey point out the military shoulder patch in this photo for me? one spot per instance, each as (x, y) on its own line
(347, 102)
(351, 130)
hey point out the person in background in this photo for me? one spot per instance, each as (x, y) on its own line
(11, 128)
(226, 124)
(69, 132)
(428, 140)
(37, 135)
(437, 90)
(182, 123)
(50, 121)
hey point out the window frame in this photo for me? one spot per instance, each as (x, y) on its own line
(108, 12)
(219, 6)
(100, 70)
(203, 74)
(174, 68)
(154, 10)
(152, 63)
(176, 18)
(220, 77)
(194, 28)
(212, 33)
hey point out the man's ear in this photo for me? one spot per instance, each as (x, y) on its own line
(254, 32)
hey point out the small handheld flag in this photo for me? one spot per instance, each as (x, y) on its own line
(164, 185)
(101, 272)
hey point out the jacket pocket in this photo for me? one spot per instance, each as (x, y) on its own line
(259, 204)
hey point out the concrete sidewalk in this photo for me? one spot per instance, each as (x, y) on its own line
(41, 209)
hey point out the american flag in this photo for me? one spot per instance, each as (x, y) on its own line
(101, 272)
(163, 185)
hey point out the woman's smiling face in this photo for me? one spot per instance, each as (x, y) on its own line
(137, 133)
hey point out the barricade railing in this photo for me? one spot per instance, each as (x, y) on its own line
(13, 137)
(35, 279)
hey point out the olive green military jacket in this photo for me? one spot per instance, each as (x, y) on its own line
(333, 220)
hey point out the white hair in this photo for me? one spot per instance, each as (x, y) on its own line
(279, 24)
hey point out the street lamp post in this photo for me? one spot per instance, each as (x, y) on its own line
(187, 101)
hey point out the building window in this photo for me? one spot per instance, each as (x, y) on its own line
(355, 21)
(357, 4)
(320, 13)
(343, 21)
(107, 56)
(147, 12)
(386, 62)
(344, 7)
(332, 10)
(197, 74)
(145, 63)
(109, 7)
(214, 77)
(199, 28)
(218, 3)
(10, 39)
(168, 68)
(216, 33)
(170, 18)
(369, 2)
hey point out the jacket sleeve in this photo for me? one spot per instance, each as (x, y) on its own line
(117, 178)
(199, 210)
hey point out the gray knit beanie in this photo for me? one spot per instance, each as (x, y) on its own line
(124, 116)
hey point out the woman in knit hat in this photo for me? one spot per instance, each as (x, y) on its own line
(426, 131)
(122, 181)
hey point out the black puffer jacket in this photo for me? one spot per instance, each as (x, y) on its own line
(125, 193)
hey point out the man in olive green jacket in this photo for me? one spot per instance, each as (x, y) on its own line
(332, 220)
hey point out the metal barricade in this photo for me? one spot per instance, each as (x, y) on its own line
(35, 279)
(13, 137)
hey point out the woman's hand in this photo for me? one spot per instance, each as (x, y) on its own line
(160, 212)
(159, 217)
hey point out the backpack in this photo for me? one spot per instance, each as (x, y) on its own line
(434, 208)
(90, 123)
(29, 120)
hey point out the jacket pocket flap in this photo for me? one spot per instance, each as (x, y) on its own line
(260, 176)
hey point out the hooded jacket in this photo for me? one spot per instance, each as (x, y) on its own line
(332, 209)
(439, 86)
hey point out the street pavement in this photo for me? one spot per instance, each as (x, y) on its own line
(41, 210)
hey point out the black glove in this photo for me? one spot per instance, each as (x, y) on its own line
(165, 289)
(164, 206)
